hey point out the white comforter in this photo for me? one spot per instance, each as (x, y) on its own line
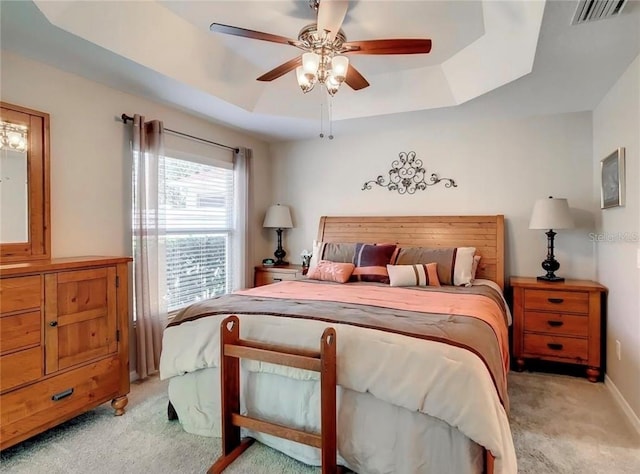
(443, 381)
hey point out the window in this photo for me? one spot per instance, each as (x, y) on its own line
(197, 215)
(199, 224)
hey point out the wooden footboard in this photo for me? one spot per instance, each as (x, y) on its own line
(488, 461)
(232, 349)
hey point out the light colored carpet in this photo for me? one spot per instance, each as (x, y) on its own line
(560, 424)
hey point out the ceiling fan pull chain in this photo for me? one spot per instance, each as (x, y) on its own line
(330, 117)
(321, 115)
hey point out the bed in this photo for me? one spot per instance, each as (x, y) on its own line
(421, 371)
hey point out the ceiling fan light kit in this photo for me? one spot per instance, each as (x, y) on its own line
(324, 68)
(325, 48)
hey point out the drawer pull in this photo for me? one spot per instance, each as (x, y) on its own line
(61, 395)
(277, 279)
(53, 324)
(555, 300)
(555, 324)
(554, 346)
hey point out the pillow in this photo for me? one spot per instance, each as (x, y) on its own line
(413, 275)
(334, 252)
(454, 263)
(474, 266)
(331, 271)
(371, 262)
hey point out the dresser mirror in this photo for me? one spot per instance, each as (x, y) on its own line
(24, 184)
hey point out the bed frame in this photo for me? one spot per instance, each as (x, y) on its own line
(485, 233)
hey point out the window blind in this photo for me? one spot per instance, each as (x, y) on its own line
(199, 218)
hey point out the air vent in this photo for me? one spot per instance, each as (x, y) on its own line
(593, 10)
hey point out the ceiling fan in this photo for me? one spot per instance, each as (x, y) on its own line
(325, 44)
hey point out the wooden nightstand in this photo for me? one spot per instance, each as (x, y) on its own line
(559, 321)
(267, 275)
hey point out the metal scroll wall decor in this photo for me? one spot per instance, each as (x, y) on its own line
(407, 175)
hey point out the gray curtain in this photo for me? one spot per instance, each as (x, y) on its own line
(243, 272)
(149, 243)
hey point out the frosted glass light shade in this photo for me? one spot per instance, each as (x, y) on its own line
(310, 63)
(278, 217)
(332, 84)
(551, 213)
(339, 67)
(304, 80)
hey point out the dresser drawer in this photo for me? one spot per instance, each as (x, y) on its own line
(44, 404)
(556, 323)
(549, 346)
(20, 293)
(19, 330)
(557, 301)
(20, 367)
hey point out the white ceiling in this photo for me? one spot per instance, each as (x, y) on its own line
(500, 58)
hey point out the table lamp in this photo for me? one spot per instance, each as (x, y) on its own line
(278, 217)
(551, 213)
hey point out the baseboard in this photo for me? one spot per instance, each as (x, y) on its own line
(620, 400)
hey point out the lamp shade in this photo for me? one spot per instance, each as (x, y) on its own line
(278, 217)
(551, 213)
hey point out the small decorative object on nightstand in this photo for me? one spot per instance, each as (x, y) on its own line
(274, 274)
(551, 214)
(305, 255)
(559, 322)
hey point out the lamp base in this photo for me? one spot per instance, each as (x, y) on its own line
(550, 278)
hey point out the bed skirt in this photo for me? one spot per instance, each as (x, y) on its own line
(373, 436)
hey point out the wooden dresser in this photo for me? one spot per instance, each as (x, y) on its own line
(559, 321)
(267, 275)
(64, 348)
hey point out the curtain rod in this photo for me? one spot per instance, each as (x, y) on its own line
(125, 118)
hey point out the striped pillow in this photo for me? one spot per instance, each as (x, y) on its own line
(371, 262)
(454, 263)
(334, 252)
(414, 275)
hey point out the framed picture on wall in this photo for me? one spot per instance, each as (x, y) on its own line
(612, 180)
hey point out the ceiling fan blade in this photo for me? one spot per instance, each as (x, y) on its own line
(281, 70)
(389, 46)
(331, 14)
(355, 80)
(259, 35)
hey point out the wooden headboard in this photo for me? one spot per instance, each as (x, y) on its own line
(485, 233)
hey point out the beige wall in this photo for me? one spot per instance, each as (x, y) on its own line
(501, 167)
(616, 123)
(90, 159)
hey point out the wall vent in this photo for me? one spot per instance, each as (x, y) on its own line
(593, 10)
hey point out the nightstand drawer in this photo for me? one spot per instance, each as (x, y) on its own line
(569, 348)
(266, 278)
(556, 323)
(557, 301)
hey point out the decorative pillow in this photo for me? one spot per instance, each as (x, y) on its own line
(474, 266)
(334, 252)
(331, 271)
(371, 262)
(454, 263)
(414, 275)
